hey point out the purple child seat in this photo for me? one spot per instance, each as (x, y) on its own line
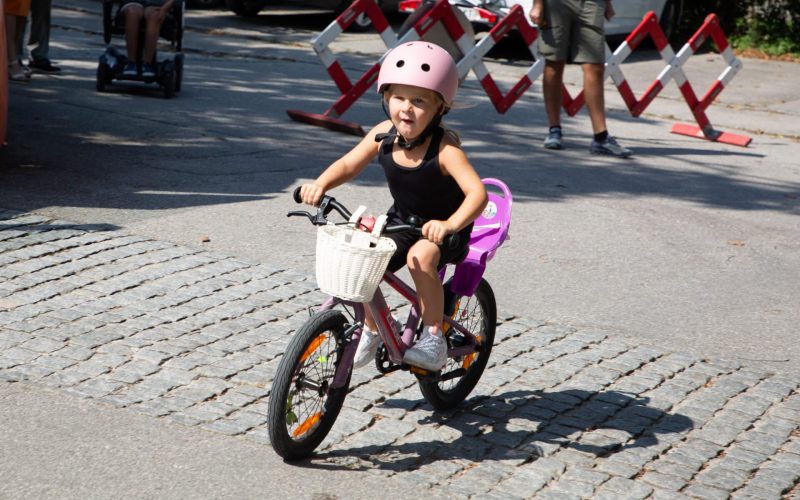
(489, 231)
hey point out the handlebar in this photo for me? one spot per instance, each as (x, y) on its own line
(329, 203)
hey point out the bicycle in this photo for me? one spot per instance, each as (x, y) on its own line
(313, 376)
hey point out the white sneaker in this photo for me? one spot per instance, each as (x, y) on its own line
(430, 352)
(367, 347)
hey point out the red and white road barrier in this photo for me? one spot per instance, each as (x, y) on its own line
(474, 59)
(710, 28)
(350, 91)
(470, 58)
(649, 27)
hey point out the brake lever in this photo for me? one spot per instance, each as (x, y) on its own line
(304, 214)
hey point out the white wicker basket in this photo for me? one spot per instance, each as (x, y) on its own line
(347, 270)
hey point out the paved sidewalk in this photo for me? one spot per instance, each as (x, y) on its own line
(193, 337)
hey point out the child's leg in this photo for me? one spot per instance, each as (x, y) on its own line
(423, 261)
(152, 28)
(430, 351)
(133, 17)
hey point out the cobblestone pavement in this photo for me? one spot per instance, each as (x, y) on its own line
(561, 412)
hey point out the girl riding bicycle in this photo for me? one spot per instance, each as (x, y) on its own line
(429, 178)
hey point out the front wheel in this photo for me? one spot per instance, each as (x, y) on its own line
(478, 314)
(302, 404)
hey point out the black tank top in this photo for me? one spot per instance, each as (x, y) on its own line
(423, 190)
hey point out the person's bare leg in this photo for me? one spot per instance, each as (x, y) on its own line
(152, 27)
(552, 80)
(593, 76)
(423, 259)
(133, 17)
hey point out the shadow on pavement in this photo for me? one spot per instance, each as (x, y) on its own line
(519, 426)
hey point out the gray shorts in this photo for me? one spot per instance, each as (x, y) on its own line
(573, 31)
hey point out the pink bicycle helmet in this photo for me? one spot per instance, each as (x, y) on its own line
(422, 64)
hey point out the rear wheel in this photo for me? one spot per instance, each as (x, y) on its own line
(302, 405)
(168, 79)
(478, 314)
(103, 76)
(178, 72)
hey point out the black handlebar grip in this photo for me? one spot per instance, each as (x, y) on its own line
(296, 195)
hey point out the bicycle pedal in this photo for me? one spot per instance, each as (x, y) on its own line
(424, 375)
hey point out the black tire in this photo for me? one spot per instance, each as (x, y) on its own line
(670, 17)
(479, 315)
(301, 408)
(203, 4)
(168, 79)
(103, 76)
(246, 8)
(178, 72)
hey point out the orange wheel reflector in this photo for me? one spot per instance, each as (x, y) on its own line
(468, 359)
(307, 424)
(313, 346)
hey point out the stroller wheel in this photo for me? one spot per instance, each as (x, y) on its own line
(103, 76)
(168, 79)
(178, 72)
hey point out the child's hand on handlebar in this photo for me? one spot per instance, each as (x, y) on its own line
(311, 194)
(436, 231)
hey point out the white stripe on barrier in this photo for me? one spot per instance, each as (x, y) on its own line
(328, 35)
(327, 58)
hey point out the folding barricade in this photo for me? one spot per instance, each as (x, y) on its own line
(650, 27)
(473, 55)
(474, 59)
(350, 92)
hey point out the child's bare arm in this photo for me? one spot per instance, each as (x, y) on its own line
(346, 167)
(454, 162)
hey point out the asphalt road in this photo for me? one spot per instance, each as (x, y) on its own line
(690, 244)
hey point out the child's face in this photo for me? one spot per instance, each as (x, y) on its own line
(412, 108)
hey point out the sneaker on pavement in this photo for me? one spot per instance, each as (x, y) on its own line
(367, 347)
(430, 352)
(129, 69)
(148, 71)
(610, 147)
(44, 65)
(553, 140)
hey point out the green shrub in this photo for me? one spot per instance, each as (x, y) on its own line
(771, 25)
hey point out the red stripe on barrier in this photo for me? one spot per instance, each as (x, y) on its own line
(716, 33)
(492, 91)
(712, 93)
(429, 20)
(689, 95)
(627, 94)
(516, 91)
(647, 98)
(452, 25)
(339, 77)
(361, 86)
(379, 21)
(642, 30)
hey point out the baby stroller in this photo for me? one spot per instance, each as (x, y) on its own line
(168, 72)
